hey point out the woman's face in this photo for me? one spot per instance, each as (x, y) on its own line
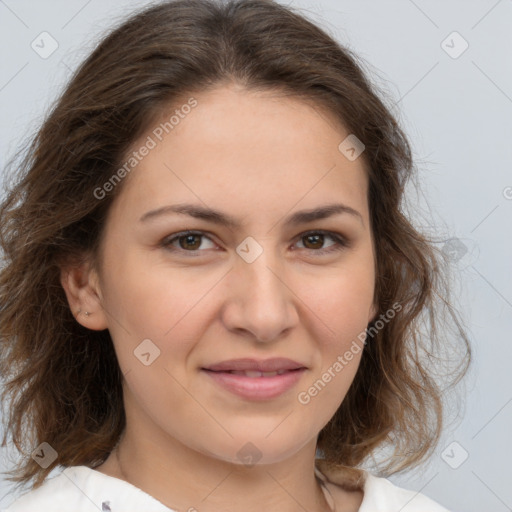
(255, 291)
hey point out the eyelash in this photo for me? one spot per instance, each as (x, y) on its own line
(341, 242)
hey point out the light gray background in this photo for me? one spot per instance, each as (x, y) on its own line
(458, 114)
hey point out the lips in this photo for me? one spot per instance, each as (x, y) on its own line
(256, 380)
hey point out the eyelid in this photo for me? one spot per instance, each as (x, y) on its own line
(341, 241)
(166, 242)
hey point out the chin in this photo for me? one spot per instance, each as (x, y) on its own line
(255, 449)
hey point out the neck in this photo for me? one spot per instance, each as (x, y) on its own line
(221, 486)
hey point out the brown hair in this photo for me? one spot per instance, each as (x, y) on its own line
(62, 381)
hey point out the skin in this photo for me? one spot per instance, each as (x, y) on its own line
(257, 156)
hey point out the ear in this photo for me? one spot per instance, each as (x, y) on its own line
(82, 287)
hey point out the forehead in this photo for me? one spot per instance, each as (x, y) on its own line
(258, 151)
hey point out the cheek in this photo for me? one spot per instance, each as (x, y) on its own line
(154, 302)
(341, 316)
(342, 304)
(152, 295)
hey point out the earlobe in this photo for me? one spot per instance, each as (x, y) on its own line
(81, 285)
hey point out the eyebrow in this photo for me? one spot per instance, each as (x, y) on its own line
(220, 218)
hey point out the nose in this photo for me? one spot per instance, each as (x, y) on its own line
(260, 303)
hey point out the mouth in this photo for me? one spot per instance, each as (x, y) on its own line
(256, 380)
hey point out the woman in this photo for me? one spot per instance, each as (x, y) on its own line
(211, 298)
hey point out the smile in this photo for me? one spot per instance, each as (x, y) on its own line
(254, 384)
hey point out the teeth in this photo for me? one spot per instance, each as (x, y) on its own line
(255, 373)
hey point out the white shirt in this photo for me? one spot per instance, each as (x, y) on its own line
(82, 489)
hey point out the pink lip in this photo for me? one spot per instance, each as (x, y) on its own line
(256, 388)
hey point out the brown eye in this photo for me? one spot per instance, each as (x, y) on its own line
(188, 242)
(314, 242)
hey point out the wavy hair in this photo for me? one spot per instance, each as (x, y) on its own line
(62, 382)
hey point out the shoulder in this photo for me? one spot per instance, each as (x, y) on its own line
(55, 487)
(82, 489)
(381, 495)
